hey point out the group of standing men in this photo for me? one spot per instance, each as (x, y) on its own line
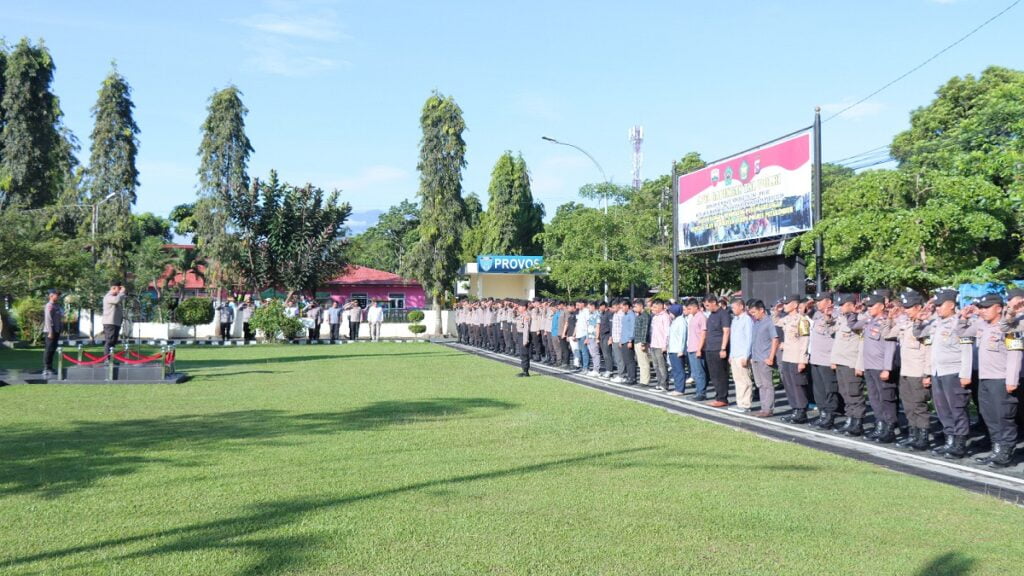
(827, 349)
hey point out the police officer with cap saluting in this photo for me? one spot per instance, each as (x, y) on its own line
(795, 331)
(846, 360)
(823, 375)
(952, 363)
(877, 355)
(915, 368)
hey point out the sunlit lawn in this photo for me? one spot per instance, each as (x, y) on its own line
(417, 459)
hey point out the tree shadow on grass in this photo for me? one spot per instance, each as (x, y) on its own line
(184, 362)
(253, 532)
(948, 564)
(52, 462)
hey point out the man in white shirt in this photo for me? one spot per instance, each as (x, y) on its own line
(374, 317)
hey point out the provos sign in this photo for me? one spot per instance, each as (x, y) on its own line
(495, 264)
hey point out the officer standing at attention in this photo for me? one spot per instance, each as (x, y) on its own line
(823, 375)
(523, 329)
(915, 369)
(53, 324)
(795, 332)
(846, 360)
(877, 355)
(998, 378)
(952, 362)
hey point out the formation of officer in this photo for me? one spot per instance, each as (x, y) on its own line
(837, 353)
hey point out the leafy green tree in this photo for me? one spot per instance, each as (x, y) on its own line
(112, 170)
(434, 260)
(223, 180)
(182, 217)
(384, 246)
(895, 228)
(304, 241)
(512, 219)
(38, 152)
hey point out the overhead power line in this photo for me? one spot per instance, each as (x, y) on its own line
(925, 63)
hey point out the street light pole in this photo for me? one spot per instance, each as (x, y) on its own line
(604, 178)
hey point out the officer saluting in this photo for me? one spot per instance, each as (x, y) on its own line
(846, 358)
(915, 368)
(999, 361)
(952, 362)
(523, 329)
(877, 355)
(795, 332)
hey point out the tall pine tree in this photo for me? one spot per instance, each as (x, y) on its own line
(223, 180)
(112, 170)
(513, 218)
(434, 260)
(37, 154)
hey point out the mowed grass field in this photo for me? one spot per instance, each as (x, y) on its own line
(417, 459)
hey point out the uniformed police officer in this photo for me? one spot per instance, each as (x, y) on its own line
(877, 355)
(999, 362)
(823, 375)
(523, 319)
(846, 359)
(915, 369)
(795, 332)
(952, 360)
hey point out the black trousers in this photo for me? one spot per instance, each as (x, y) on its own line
(225, 330)
(851, 388)
(951, 404)
(246, 332)
(50, 351)
(334, 332)
(718, 373)
(607, 362)
(826, 388)
(524, 357)
(535, 346)
(795, 383)
(882, 396)
(915, 401)
(111, 336)
(353, 330)
(628, 370)
(999, 409)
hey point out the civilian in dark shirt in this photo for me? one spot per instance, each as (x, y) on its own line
(716, 346)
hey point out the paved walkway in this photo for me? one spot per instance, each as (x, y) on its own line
(1007, 483)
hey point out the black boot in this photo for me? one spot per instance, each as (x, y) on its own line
(854, 427)
(846, 426)
(991, 455)
(874, 431)
(887, 434)
(1002, 456)
(920, 443)
(942, 450)
(798, 416)
(826, 421)
(957, 448)
(817, 421)
(908, 439)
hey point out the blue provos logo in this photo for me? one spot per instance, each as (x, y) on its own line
(498, 264)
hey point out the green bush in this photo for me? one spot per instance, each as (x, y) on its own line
(28, 313)
(415, 316)
(417, 328)
(195, 311)
(271, 320)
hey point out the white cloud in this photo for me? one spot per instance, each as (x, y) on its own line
(862, 110)
(294, 39)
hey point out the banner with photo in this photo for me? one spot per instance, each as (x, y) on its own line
(760, 193)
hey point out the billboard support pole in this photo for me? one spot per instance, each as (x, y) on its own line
(819, 247)
(675, 232)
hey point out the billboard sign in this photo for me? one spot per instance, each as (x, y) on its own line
(503, 264)
(760, 193)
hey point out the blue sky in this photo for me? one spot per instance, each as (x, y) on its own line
(335, 87)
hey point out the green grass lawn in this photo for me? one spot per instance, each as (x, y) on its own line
(417, 459)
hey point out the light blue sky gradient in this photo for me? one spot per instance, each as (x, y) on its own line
(335, 88)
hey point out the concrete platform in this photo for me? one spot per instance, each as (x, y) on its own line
(1006, 483)
(93, 375)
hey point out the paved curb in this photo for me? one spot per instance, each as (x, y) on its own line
(983, 481)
